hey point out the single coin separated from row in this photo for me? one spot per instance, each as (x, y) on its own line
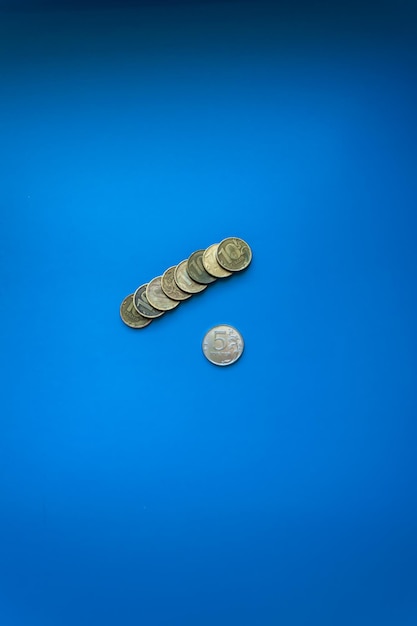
(223, 345)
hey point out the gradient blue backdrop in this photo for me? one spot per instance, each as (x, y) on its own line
(139, 485)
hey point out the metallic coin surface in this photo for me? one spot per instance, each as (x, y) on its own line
(195, 269)
(142, 305)
(211, 264)
(130, 316)
(234, 254)
(157, 298)
(184, 281)
(223, 345)
(170, 287)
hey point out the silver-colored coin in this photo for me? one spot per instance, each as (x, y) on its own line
(183, 280)
(211, 265)
(223, 345)
(157, 298)
(170, 287)
(196, 270)
(234, 254)
(142, 305)
(130, 316)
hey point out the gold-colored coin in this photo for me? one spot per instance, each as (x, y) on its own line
(142, 305)
(211, 264)
(157, 298)
(234, 254)
(184, 281)
(170, 287)
(196, 271)
(130, 316)
(223, 345)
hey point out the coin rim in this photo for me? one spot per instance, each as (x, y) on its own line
(202, 287)
(175, 302)
(147, 320)
(226, 274)
(223, 364)
(186, 295)
(149, 317)
(211, 277)
(240, 269)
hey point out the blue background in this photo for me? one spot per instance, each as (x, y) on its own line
(140, 485)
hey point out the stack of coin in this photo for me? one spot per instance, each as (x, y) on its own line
(181, 281)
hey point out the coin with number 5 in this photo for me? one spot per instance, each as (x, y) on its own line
(223, 345)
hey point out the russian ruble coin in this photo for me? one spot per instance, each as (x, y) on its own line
(157, 298)
(195, 269)
(223, 345)
(130, 316)
(234, 254)
(183, 280)
(170, 287)
(211, 264)
(142, 305)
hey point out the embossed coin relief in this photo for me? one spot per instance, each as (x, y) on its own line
(234, 254)
(180, 282)
(130, 316)
(196, 270)
(157, 298)
(223, 345)
(211, 264)
(142, 304)
(170, 287)
(184, 280)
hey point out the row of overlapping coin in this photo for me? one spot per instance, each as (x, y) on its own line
(181, 281)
